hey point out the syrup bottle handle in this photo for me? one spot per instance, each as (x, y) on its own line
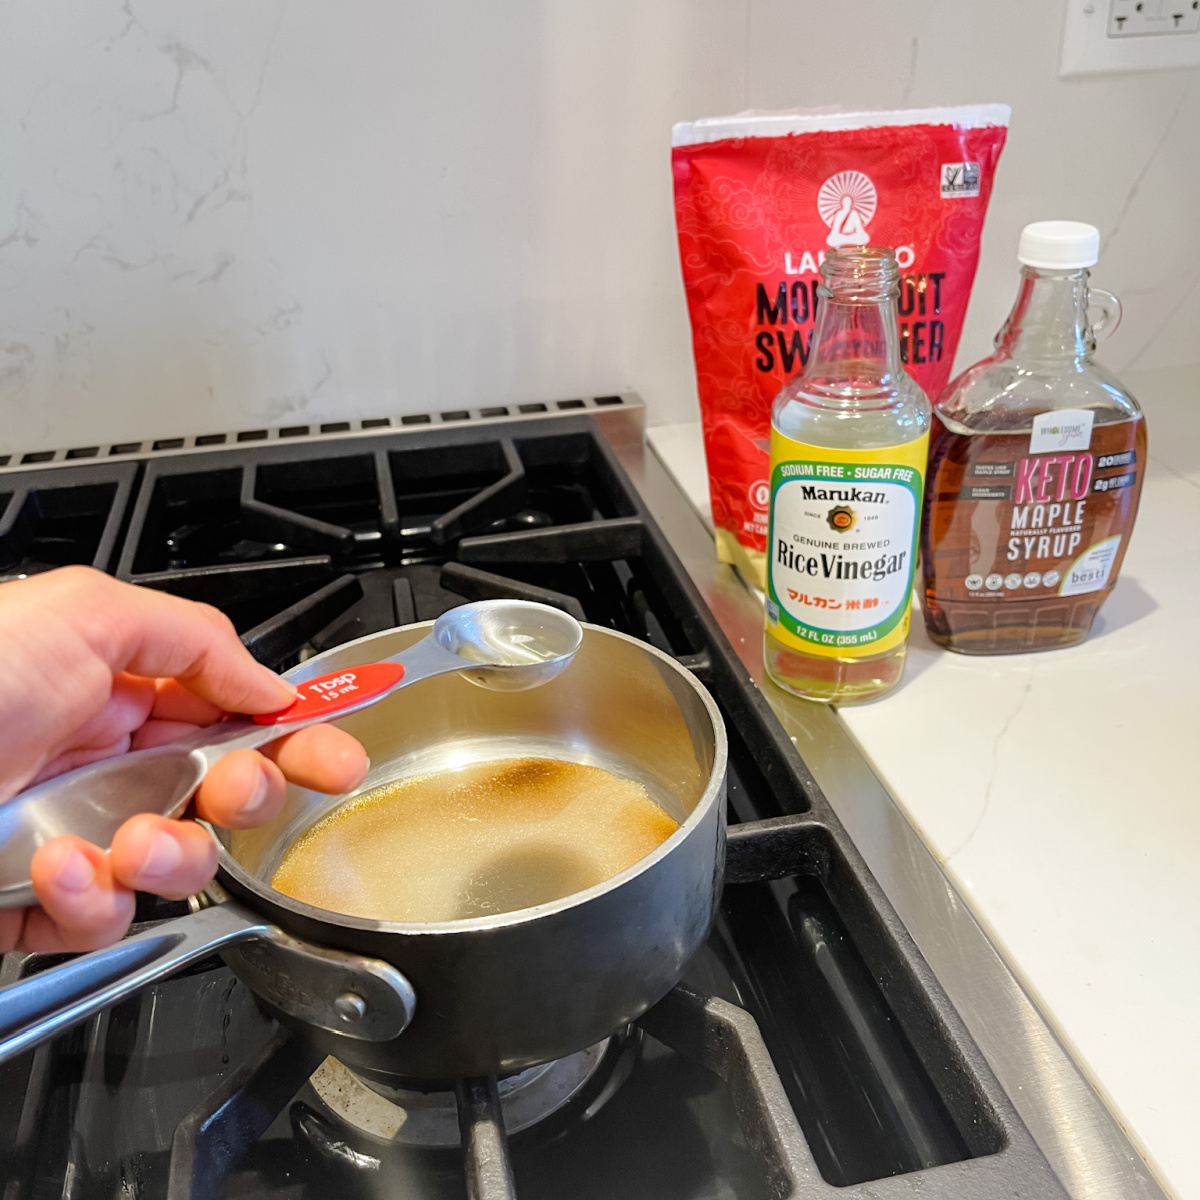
(1108, 313)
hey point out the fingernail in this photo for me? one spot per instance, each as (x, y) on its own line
(286, 683)
(257, 797)
(75, 873)
(164, 855)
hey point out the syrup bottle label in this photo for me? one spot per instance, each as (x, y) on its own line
(842, 545)
(1022, 517)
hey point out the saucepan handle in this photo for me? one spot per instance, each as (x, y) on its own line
(44, 1005)
(363, 998)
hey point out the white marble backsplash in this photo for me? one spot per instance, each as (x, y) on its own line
(220, 215)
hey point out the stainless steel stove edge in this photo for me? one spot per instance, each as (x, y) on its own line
(1080, 1138)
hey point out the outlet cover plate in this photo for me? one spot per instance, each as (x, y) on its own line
(1095, 42)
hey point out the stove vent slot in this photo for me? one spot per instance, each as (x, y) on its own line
(406, 421)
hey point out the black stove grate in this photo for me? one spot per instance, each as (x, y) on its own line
(69, 517)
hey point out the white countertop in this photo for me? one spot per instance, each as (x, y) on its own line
(1058, 792)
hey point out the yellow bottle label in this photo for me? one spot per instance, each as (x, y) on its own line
(842, 545)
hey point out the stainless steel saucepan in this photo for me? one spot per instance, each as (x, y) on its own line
(476, 996)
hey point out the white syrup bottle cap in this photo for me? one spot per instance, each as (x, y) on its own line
(1059, 245)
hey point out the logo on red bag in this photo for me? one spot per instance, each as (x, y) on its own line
(847, 202)
(759, 493)
(960, 179)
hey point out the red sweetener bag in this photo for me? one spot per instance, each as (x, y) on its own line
(759, 200)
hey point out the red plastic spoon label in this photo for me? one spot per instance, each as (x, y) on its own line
(333, 694)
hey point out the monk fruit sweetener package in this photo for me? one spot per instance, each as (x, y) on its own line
(759, 200)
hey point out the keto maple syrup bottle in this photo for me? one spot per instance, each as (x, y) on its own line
(849, 443)
(1035, 466)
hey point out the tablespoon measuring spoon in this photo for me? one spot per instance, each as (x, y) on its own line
(506, 645)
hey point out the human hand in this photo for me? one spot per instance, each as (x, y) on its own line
(94, 667)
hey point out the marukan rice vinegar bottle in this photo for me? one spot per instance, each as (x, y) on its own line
(849, 440)
(1035, 468)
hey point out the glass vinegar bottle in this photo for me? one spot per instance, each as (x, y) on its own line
(849, 440)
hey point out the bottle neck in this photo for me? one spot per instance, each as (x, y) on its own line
(1049, 321)
(855, 356)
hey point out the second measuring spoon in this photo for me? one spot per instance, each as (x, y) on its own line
(508, 645)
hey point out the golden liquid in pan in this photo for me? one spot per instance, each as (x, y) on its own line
(472, 842)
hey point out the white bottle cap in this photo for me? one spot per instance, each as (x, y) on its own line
(1059, 245)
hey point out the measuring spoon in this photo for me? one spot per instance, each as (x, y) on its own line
(506, 645)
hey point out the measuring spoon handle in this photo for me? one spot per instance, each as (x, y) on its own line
(326, 698)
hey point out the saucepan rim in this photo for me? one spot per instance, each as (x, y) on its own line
(229, 866)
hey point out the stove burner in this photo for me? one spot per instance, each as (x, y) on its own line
(580, 1082)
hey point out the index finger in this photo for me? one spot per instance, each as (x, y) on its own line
(144, 632)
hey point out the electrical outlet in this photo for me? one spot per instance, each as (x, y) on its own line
(1105, 36)
(1153, 18)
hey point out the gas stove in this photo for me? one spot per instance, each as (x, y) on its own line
(810, 1047)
